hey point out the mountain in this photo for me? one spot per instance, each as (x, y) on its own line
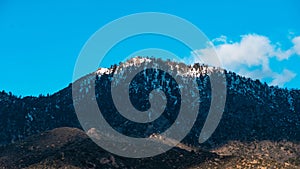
(254, 112)
(22, 117)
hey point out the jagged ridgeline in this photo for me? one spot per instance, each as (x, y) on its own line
(253, 111)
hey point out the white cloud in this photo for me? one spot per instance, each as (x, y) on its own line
(257, 73)
(281, 79)
(252, 51)
(296, 42)
(222, 39)
(282, 55)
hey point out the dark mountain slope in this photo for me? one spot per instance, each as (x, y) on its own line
(253, 111)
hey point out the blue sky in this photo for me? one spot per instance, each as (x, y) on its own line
(40, 41)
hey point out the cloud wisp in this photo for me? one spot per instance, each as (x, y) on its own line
(250, 57)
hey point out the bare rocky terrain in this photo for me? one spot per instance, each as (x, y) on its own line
(71, 148)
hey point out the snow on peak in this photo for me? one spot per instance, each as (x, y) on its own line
(102, 71)
(136, 61)
(181, 68)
